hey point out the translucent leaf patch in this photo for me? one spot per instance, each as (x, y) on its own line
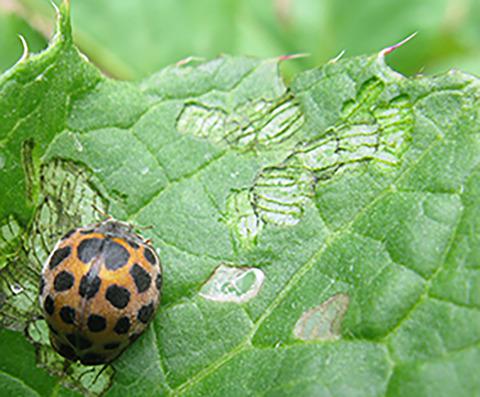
(233, 284)
(280, 194)
(242, 218)
(259, 124)
(323, 322)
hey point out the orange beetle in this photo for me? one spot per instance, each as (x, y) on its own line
(99, 289)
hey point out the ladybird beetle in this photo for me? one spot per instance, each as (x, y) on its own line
(99, 289)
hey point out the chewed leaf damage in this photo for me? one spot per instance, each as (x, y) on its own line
(258, 123)
(233, 284)
(369, 132)
(243, 220)
(67, 199)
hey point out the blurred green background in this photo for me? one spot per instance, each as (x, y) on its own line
(130, 39)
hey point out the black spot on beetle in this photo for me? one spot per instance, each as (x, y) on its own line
(89, 249)
(89, 286)
(59, 256)
(78, 341)
(92, 359)
(118, 296)
(141, 278)
(49, 305)
(133, 244)
(67, 352)
(149, 256)
(145, 313)
(111, 345)
(67, 314)
(96, 323)
(122, 326)
(115, 254)
(63, 281)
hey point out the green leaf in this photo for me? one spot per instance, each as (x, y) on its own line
(18, 374)
(317, 239)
